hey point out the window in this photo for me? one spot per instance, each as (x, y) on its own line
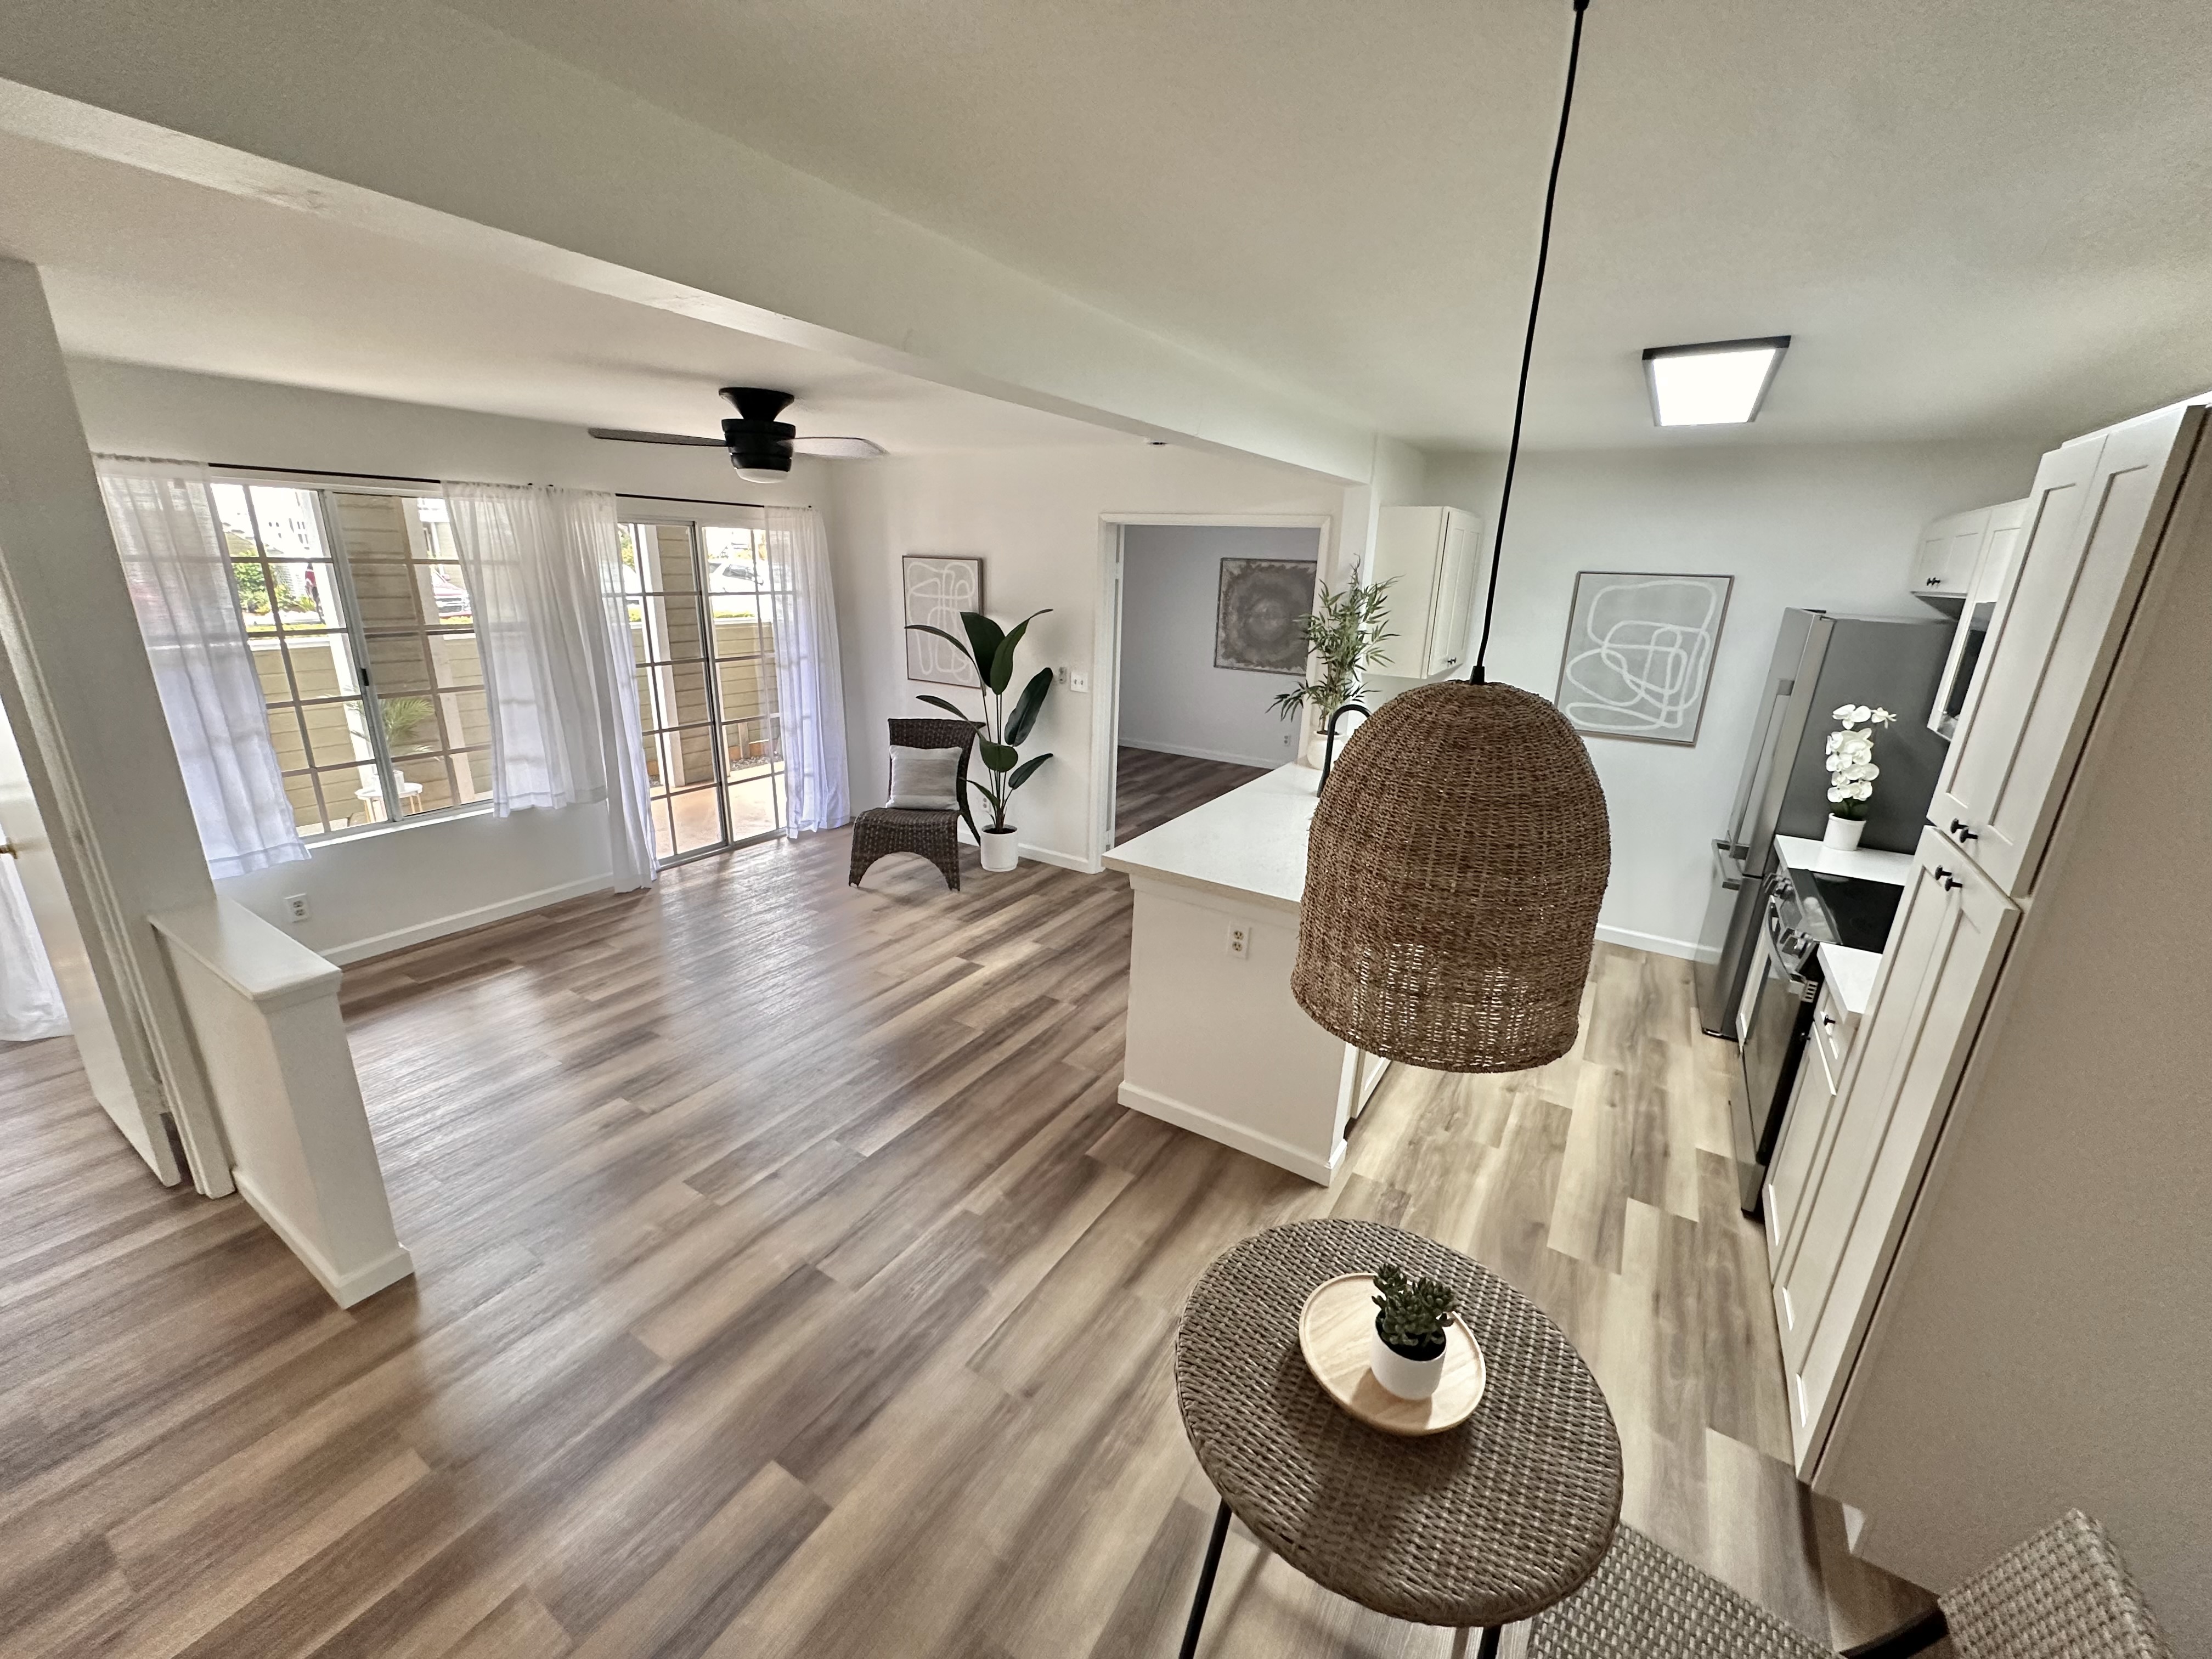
(706, 696)
(362, 634)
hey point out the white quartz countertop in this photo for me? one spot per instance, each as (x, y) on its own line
(1801, 853)
(1247, 844)
(1851, 973)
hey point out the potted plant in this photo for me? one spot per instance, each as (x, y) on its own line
(1000, 732)
(1345, 638)
(1851, 772)
(1407, 1351)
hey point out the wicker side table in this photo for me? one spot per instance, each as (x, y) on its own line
(1476, 1527)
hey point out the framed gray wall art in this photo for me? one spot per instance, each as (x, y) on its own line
(938, 589)
(1639, 653)
(1257, 620)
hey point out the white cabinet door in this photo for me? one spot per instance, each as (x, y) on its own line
(1803, 1127)
(1944, 952)
(2094, 519)
(1433, 557)
(1944, 565)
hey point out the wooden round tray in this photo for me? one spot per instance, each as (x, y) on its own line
(1333, 1328)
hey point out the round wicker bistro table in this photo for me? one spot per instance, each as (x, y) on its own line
(1479, 1527)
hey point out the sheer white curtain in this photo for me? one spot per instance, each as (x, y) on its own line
(179, 572)
(810, 691)
(30, 1001)
(544, 577)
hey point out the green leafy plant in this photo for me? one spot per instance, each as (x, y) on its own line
(1413, 1312)
(1344, 633)
(991, 650)
(401, 716)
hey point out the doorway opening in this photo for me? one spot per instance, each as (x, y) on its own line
(702, 609)
(1204, 616)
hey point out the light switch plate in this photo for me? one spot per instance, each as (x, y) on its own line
(1077, 680)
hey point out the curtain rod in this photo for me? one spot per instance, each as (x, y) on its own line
(409, 477)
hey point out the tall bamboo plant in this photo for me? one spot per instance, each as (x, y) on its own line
(991, 650)
(1344, 636)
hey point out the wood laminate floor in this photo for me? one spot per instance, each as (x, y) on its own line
(1149, 787)
(790, 1283)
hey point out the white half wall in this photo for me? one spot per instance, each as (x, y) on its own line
(1039, 520)
(1173, 696)
(1831, 527)
(383, 889)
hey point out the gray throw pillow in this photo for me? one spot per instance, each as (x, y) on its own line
(925, 777)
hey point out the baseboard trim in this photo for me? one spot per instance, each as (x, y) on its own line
(1064, 860)
(461, 921)
(1269, 761)
(1265, 1147)
(1658, 944)
(346, 1286)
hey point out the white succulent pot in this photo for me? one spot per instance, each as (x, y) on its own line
(1843, 832)
(999, 850)
(1409, 1379)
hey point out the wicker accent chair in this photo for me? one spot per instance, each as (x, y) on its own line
(2063, 1594)
(934, 834)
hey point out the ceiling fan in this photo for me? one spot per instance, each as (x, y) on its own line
(761, 447)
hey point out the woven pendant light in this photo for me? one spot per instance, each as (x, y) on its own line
(1461, 850)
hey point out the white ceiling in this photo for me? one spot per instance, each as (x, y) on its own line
(143, 268)
(1975, 216)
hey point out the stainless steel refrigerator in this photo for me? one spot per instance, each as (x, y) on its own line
(1820, 662)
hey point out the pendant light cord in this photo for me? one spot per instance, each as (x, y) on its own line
(1529, 343)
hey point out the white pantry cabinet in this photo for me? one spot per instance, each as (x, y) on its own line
(1434, 558)
(1945, 949)
(2095, 517)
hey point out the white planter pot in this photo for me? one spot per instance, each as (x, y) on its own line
(1000, 851)
(1315, 745)
(1409, 1379)
(1844, 833)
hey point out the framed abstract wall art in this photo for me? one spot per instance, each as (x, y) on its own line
(1639, 653)
(1256, 621)
(937, 588)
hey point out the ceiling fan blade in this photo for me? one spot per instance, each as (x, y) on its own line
(621, 435)
(849, 449)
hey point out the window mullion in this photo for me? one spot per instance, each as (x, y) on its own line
(372, 710)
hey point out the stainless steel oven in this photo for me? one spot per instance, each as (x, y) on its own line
(1773, 1021)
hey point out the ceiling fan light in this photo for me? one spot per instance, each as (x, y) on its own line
(1720, 383)
(1454, 872)
(764, 474)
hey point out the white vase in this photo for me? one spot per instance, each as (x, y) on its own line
(1409, 1379)
(1000, 851)
(1844, 833)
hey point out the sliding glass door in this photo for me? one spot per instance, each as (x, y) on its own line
(701, 620)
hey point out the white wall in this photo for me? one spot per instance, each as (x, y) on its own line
(1173, 697)
(1833, 527)
(1037, 517)
(384, 888)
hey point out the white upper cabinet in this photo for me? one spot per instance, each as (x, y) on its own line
(1944, 565)
(1434, 558)
(1992, 566)
(2093, 522)
(1855, 1183)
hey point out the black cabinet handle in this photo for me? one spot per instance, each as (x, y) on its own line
(1959, 828)
(1949, 884)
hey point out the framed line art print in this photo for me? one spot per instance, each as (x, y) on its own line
(1639, 653)
(937, 589)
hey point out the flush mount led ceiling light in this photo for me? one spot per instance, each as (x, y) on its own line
(1720, 383)
(1460, 851)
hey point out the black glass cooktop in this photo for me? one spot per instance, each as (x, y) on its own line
(1856, 912)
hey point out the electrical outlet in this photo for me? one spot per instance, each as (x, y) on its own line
(1286, 740)
(296, 906)
(1240, 941)
(1059, 675)
(1077, 680)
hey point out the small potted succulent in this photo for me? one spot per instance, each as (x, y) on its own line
(1851, 772)
(1407, 1353)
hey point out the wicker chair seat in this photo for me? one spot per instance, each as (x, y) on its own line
(1647, 1603)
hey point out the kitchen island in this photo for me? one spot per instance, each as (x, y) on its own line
(1216, 1043)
